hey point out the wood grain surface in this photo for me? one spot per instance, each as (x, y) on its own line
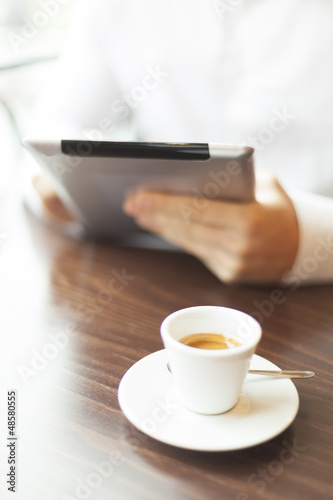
(76, 315)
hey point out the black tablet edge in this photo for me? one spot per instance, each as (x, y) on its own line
(154, 150)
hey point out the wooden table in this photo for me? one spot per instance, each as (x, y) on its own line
(76, 315)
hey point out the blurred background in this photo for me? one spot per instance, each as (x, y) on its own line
(32, 33)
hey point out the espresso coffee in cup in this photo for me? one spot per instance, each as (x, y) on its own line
(208, 346)
(209, 341)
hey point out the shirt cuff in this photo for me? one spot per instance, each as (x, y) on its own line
(314, 259)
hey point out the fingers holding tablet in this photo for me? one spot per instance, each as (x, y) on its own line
(247, 242)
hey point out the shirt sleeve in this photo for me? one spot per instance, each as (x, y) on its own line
(78, 100)
(314, 260)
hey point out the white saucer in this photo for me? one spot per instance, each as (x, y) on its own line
(149, 400)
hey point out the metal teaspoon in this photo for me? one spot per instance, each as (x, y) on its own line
(277, 373)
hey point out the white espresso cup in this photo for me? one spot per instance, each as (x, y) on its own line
(209, 381)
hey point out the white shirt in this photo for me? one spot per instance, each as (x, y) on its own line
(254, 71)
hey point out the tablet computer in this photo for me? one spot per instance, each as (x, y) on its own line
(93, 178)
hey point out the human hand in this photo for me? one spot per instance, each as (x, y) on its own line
(52, 205)
(254, 242)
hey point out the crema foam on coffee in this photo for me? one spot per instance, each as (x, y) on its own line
(209, 341)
